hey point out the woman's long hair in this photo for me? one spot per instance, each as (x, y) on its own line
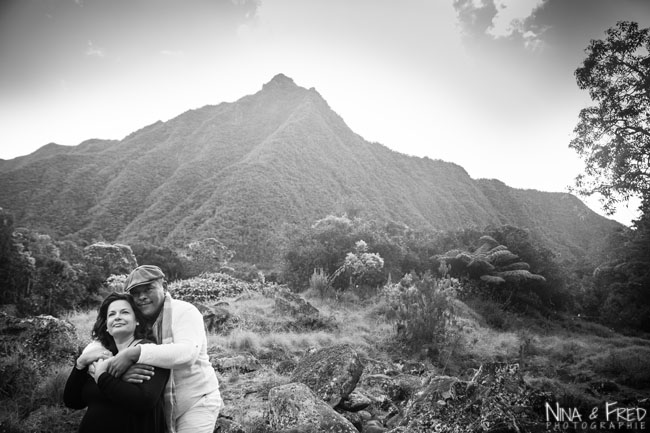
(100, 330)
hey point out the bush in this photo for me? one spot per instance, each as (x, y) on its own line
(19, 376)
(492, 312)
(627, 365)
(424, 314)
(243, 271)
(319, 283)
(50, 388)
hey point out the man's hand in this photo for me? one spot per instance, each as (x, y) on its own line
(138, 373)
(118, 364)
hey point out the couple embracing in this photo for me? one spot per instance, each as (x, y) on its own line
(147, 369)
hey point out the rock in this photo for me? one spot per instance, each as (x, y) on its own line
(381, 381)
(243, 363)
(354, 402)
(405, 386)
(332, 373)
(213, 317)
(496, 399)
(397, 388)
(373, 426)
(303, 314)
(43, 338)
(295, 306)
(354, 418)
(365, 415)
(225, 425)
(414, 368)
(110, 259)
(285, 366)
(295, 408)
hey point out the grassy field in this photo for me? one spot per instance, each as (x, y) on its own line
(581, 363)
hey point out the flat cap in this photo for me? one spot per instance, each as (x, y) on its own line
(142, 275)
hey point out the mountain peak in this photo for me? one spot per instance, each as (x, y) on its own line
(280, 81)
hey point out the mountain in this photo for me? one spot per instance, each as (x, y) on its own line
(244, 172)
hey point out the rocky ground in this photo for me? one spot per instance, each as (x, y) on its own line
(289, 363)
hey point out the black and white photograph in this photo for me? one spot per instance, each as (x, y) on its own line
(304, 216)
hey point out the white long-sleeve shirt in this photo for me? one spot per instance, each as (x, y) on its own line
(186, 356)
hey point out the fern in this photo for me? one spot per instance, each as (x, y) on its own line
(492, 263)
(501, 257)
(519, 276)
(480, 266)
(517, 266)
(492, 279)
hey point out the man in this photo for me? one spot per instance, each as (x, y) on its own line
(192, 398)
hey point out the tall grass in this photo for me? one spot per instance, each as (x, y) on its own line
(83, 322)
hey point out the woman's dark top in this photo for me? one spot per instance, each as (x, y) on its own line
(115, 405)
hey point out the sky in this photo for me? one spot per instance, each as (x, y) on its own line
(486, 84)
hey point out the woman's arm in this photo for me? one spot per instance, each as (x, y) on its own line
(135, 397)
(73, 386)
(72, 393)
(188, 333)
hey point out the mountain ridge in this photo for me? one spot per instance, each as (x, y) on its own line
(241, 171)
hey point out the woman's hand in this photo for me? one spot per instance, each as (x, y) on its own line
(100, 367)
(95, 354)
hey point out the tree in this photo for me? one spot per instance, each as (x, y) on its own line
(613, 137)
(362, 267)
(208, 255)
(614, 140)
(16, 264)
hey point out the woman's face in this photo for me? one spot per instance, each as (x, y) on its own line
(120, 319)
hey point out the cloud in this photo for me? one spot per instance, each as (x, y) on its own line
(475, 16)
(94, 51)
(538, 24)
(511, 15)
(483, 21)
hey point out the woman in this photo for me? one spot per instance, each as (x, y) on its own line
(115, 405)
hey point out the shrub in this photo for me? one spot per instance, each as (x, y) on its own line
(50, 389)
(243, 271)
(627, 365)
(492, 312)
(19, 377)
(424, 314)
(320, 284)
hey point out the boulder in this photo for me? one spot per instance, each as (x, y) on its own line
(110, 259)
(354, 418)
(496, 399)
(243, 363)
(354, 402)
(213, 317)
(295, 306)
(295, 408)
(398, 388)
(43, 338)
(332, 373)
(373, 426)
